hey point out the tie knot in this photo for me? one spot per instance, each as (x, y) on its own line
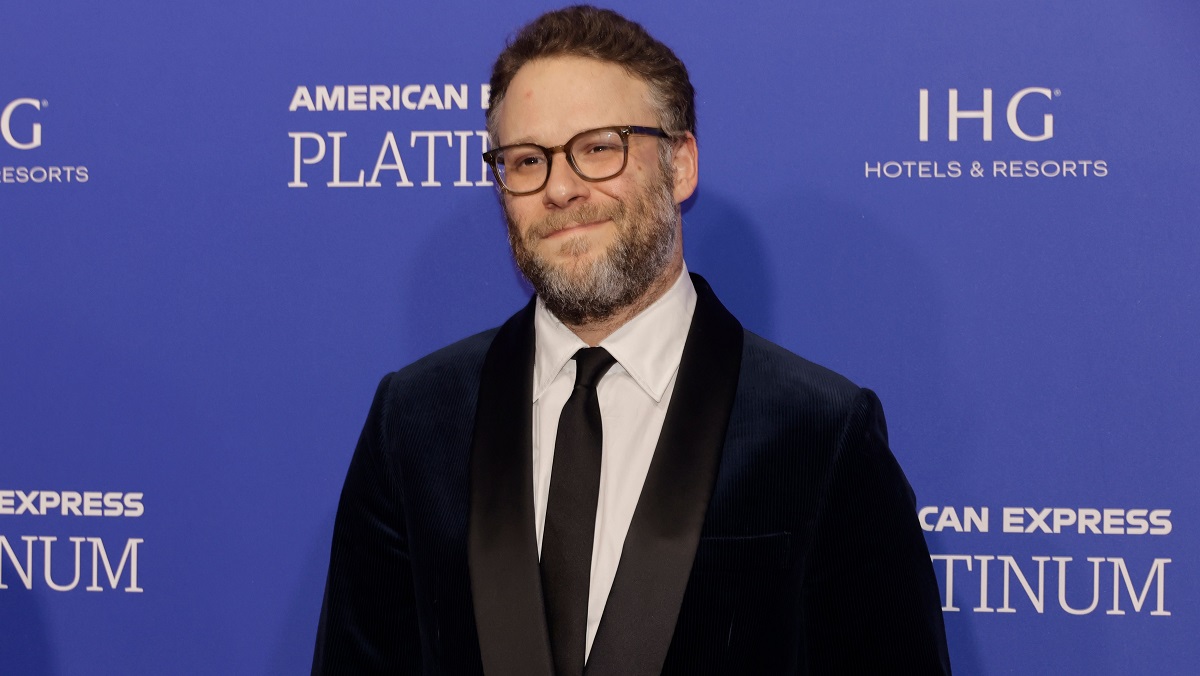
(591, 363)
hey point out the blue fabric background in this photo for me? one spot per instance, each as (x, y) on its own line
(185, 325)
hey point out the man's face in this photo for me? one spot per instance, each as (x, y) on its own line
(589, 249)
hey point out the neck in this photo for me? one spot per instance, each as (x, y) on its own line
(594, 332)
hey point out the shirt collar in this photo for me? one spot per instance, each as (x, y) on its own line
(648, 347)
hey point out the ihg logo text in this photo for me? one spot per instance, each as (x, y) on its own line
(955, 113)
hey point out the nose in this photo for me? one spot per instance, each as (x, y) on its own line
(563, 186)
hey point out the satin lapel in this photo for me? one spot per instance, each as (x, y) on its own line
(502, 546)
(643, 606)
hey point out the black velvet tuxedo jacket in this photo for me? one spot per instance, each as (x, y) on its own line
(775, 533)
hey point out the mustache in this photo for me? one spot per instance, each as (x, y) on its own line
(584, 213)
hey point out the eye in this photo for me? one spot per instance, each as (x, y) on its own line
(523, 159)
(599, 148)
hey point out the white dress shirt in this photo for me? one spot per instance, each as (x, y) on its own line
(634, 395)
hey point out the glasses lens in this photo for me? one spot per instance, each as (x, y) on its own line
(522, 168)
(599, 154)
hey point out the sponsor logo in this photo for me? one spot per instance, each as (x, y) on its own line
(385, 97)
(309, 148)
(21, 130)
(60, 563)
(6, 130)
(71, 503)
(984, 114)
(981, 581)
(1028, 117)
(1084, 520)
(49, 552)
(426, 158)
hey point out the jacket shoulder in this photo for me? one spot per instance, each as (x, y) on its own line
(776, 375)
(456, 363)
(444, 382)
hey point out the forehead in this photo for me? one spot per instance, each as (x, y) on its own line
(550, 100)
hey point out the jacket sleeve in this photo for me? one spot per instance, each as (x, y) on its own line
(368, 619)
(872, 599)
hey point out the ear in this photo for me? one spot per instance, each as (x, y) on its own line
(685, 160)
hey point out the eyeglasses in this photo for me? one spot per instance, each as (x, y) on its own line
(595, 155)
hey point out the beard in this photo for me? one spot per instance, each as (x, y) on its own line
(583, 290)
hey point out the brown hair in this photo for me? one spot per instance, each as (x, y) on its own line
(604, 35)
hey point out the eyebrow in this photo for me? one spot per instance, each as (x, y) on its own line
(529, 139)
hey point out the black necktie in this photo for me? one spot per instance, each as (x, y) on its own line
(571, 514)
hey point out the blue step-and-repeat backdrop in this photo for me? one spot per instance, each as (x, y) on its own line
(221, 223)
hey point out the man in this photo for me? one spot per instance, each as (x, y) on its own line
(620, 475)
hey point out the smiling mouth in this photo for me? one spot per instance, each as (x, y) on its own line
(574, 228)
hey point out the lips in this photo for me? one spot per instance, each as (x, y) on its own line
(573, 227)
(584, 217)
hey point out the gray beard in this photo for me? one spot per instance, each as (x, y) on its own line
(578, 292)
